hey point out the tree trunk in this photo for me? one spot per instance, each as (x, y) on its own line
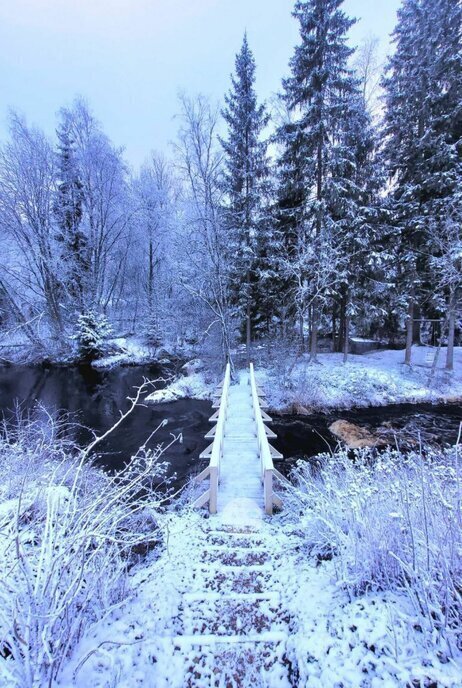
(314, 332)
(451, 332)
(301, 328)
(150, 275)
(410, 327)
(334, 326)
(417, 325)
(346, 334)
(341, 327)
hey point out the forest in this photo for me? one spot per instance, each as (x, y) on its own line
(332, 211)
(298, 255)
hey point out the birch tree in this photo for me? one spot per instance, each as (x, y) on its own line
(202, 248)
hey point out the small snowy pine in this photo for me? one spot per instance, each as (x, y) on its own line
(92, 333)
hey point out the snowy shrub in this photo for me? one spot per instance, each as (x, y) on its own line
(68, 535)
(151, 330)
(390, 521)
(91, 335)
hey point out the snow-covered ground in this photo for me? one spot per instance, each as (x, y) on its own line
(249, 607)
(130, 351)
(194, 382)
(194, 386)
(372, 379)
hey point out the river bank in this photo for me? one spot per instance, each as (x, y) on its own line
(128, 350)
(374, 379)
(295, 385)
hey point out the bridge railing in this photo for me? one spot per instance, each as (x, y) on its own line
(212, 471)
(268, 472)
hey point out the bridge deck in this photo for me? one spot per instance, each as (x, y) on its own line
(240, 494)
(240, 472)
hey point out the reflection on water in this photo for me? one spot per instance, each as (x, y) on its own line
(95, 398)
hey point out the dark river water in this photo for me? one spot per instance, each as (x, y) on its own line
(95, 398)
(307, 436)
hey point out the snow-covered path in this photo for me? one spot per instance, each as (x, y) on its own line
(247, 607)
(210, 612)
(232, 626)
(236, 600)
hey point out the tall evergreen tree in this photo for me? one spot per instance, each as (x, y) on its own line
(291, 197)
(245, 180)
(354, 206)
(443, 183)
(68, 213)
(318, 94)
(423, 139)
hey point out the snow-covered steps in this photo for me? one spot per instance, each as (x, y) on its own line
(243, 557)
(232, 663)
(233, 540)
(202, 640)
(273, 597)
(235, 580)
(231, 616)
(219, 617)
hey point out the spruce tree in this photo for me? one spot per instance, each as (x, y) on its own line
(443, 178)
(245, 180)
(318, 94)
(423, 141)
(291, 198)
(353, 205)
(68, 214)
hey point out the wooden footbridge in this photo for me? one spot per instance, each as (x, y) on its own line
(241, 472)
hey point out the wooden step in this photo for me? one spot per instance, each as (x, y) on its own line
(229, 616)
(233, 557)
(235, 540)
(236, 663)
(274, 597)
(233, 580)
(181, 641)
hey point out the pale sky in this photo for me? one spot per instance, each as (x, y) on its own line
(130, 58)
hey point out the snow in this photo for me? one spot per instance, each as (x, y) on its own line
(374, 379)
(194, 386)
(239, 599)
(248, 602)
(240, 494)
(133, 351)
